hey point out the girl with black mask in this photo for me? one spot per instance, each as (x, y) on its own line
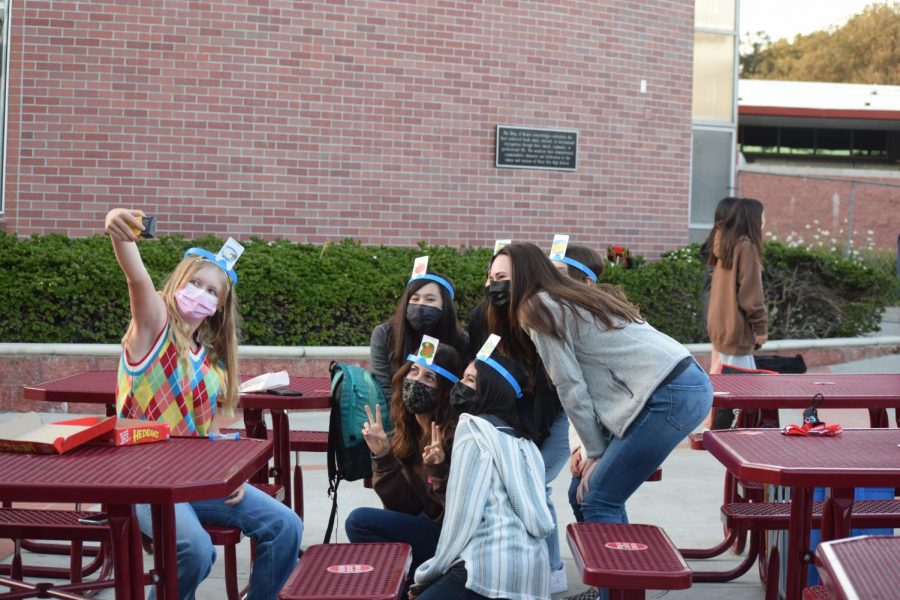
(539, 408)
(425, 308)
(410, 468)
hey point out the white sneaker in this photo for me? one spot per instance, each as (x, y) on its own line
(558, 580)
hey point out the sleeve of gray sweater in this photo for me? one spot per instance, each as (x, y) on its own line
(561, 363)
(380, 358)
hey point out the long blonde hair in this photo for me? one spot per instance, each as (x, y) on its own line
(218, 333)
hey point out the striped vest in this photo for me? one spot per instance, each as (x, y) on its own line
(157, 388)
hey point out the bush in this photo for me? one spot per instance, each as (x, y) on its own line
(55, 289)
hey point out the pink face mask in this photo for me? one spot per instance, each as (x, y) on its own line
(194, 304)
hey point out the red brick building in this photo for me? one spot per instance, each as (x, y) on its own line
(824, 158)
(357, 118)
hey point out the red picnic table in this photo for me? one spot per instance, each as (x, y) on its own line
(160, 474)
(99, 387)
(856, 458)
(860, 568)
(875, 392)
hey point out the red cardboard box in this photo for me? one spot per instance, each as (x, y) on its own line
(126, 432)
(26, 433)
(129, 432)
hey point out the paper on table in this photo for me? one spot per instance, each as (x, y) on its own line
(266, 381)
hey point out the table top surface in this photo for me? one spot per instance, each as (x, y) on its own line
(860, 567)
(839, 390)
(856, 458)
(177, 470)
(99, 387)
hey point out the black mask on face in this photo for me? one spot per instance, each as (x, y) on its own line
(462, 397)
(418, 397)
(423, 318)
(499, 293)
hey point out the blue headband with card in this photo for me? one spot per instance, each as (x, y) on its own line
(425, 357)
(420, 271)
(225, 258)
(558, 253)
(484, 355)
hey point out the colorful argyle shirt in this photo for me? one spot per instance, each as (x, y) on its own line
(157, 389)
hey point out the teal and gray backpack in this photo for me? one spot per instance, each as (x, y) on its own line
(349, 458)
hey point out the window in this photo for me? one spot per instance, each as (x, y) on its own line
(858, 145)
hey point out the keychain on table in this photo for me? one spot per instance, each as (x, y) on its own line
(811, 423)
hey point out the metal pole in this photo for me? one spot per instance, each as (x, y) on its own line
(850, 206)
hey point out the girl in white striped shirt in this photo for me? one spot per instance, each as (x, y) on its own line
(496, 515)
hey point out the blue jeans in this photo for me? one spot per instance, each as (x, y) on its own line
(381, 525)
(274, 527)
(675, 408)
(555, 452)
(450, 586)
(573, 499)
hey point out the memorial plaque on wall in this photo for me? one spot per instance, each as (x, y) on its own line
(523, 148)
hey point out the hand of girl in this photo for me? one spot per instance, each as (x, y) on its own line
(577, 463)
(120, 223)
(235, 497)
(373, 433)
(587, 469)
(760, 340)
(434, 452)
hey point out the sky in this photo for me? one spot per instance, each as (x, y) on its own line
(787, 18)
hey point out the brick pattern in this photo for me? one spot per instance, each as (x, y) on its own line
(360, 118)
(792, 203)
(19, 371)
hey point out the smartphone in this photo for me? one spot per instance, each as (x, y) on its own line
(97, 519)
(284, 392)
(149, 224)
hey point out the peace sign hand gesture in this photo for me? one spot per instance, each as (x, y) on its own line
(373, 433)
(434, 452)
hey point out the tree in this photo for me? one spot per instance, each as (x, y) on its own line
(866, 49)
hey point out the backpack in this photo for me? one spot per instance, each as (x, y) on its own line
(349, 458)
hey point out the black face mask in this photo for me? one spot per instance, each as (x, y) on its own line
(487, 292)
(462, 397)
(418, 397)
(423, 318)
(499, 293)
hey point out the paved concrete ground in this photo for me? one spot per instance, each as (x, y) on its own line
(685, 503)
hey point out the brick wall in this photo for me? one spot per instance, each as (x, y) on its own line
(354, 118)
(808, 207)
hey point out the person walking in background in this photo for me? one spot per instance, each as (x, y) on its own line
(737, 321)
(723, 208)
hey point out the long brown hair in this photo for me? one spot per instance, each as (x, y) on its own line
(743, 221)
(218, 333)
(531, 272)
(405, 341)
(409, 439)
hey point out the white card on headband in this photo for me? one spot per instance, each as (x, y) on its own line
(558, 249)
(230, 252)
(500, 245)
(420, 267)
(488, 347)
(428, 348)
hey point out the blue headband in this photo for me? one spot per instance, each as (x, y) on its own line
(437, 369)
(581, 267)
(434, 278)
(506, 374)
(207, 255)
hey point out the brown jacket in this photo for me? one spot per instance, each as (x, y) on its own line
(411, 487)
(737, 306)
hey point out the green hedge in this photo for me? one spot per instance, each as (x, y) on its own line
(55, 289)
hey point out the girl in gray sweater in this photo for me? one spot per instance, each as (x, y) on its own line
(631, 392)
